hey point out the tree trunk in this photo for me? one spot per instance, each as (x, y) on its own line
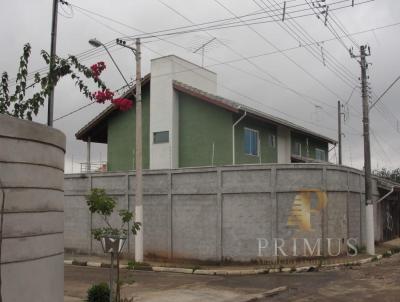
(117, 292)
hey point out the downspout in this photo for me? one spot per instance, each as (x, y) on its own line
(233, 136)
(386, 195)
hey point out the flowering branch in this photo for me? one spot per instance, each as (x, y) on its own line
(18, 105)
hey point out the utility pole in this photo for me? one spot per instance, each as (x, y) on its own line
(138, 148)
(340, 131)
(138, 160)
(53, 45)
(369, 206)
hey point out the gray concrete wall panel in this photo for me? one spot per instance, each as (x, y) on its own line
(218, 213)
(31, 173)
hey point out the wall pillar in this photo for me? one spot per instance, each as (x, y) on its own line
(284, 148)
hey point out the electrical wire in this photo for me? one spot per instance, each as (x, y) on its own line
(169, 32)
(337, 68)
(31, 74)
(383, 94)
(251, 63)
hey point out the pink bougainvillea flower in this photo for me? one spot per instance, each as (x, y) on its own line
(103, 95)
(97, 69)
(122, 104)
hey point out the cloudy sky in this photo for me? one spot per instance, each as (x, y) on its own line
(266, 65)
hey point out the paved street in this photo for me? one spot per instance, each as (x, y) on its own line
(378, 281)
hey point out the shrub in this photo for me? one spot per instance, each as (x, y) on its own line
(131, 265)
(99, 293)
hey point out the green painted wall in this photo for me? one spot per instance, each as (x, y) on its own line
(313, 143)
(200, 125)
(121, 136)
(268, 153)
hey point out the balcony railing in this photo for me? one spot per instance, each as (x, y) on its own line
(93, 167)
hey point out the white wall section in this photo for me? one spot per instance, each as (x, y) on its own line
(284, 145)
(164, 105)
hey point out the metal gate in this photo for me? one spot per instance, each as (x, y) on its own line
(391, 217)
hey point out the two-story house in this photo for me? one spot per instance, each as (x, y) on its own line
(186, 124)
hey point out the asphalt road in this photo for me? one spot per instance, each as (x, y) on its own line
(378, 281)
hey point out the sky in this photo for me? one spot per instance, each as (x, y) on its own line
(268, 65)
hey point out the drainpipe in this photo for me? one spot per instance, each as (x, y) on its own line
(386, 195)
(233, 136)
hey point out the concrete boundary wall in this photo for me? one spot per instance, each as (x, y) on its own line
(31, 178)
(218, 213)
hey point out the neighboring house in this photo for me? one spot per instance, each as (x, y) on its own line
(185, 124)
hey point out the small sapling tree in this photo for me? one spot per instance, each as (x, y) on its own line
(103, 205)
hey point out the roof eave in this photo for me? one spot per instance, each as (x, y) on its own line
(82, 133)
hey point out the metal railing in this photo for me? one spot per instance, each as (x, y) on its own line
(93, 167)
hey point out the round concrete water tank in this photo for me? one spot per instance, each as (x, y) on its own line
(31, 175)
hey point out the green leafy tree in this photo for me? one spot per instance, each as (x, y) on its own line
(24, 105)
(393, 175)
(103, 205)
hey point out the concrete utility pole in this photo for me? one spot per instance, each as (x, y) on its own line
(369, 206)
(138, 150)
(50, 109)
(367, 157)
(138, 160)
(88, 153)
(340, 131)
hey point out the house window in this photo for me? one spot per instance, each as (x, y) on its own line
(297, 149)
(251, 141)
(272, 140)
(320, 154)
(161, 137)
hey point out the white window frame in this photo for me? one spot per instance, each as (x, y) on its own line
(320, 151)
(294, 151)
(258, 141)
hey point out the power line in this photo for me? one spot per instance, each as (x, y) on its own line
(380, 146)
(288, 57)
(383, 94)
(338, 69)
(326, 22)
(97, 51)
(137, 29)
(169, 32)
(244, 58)
(87, 105)
(224, 44)
(233, 67)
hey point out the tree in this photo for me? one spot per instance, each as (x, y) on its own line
(393, 175)
(103, 205)
(18, 104)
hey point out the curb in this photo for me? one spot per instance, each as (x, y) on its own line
(257, 271)
(266, 294)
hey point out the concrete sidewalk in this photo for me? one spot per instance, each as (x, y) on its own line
(238, 269)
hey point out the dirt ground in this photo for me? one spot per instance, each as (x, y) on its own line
(377, 281)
